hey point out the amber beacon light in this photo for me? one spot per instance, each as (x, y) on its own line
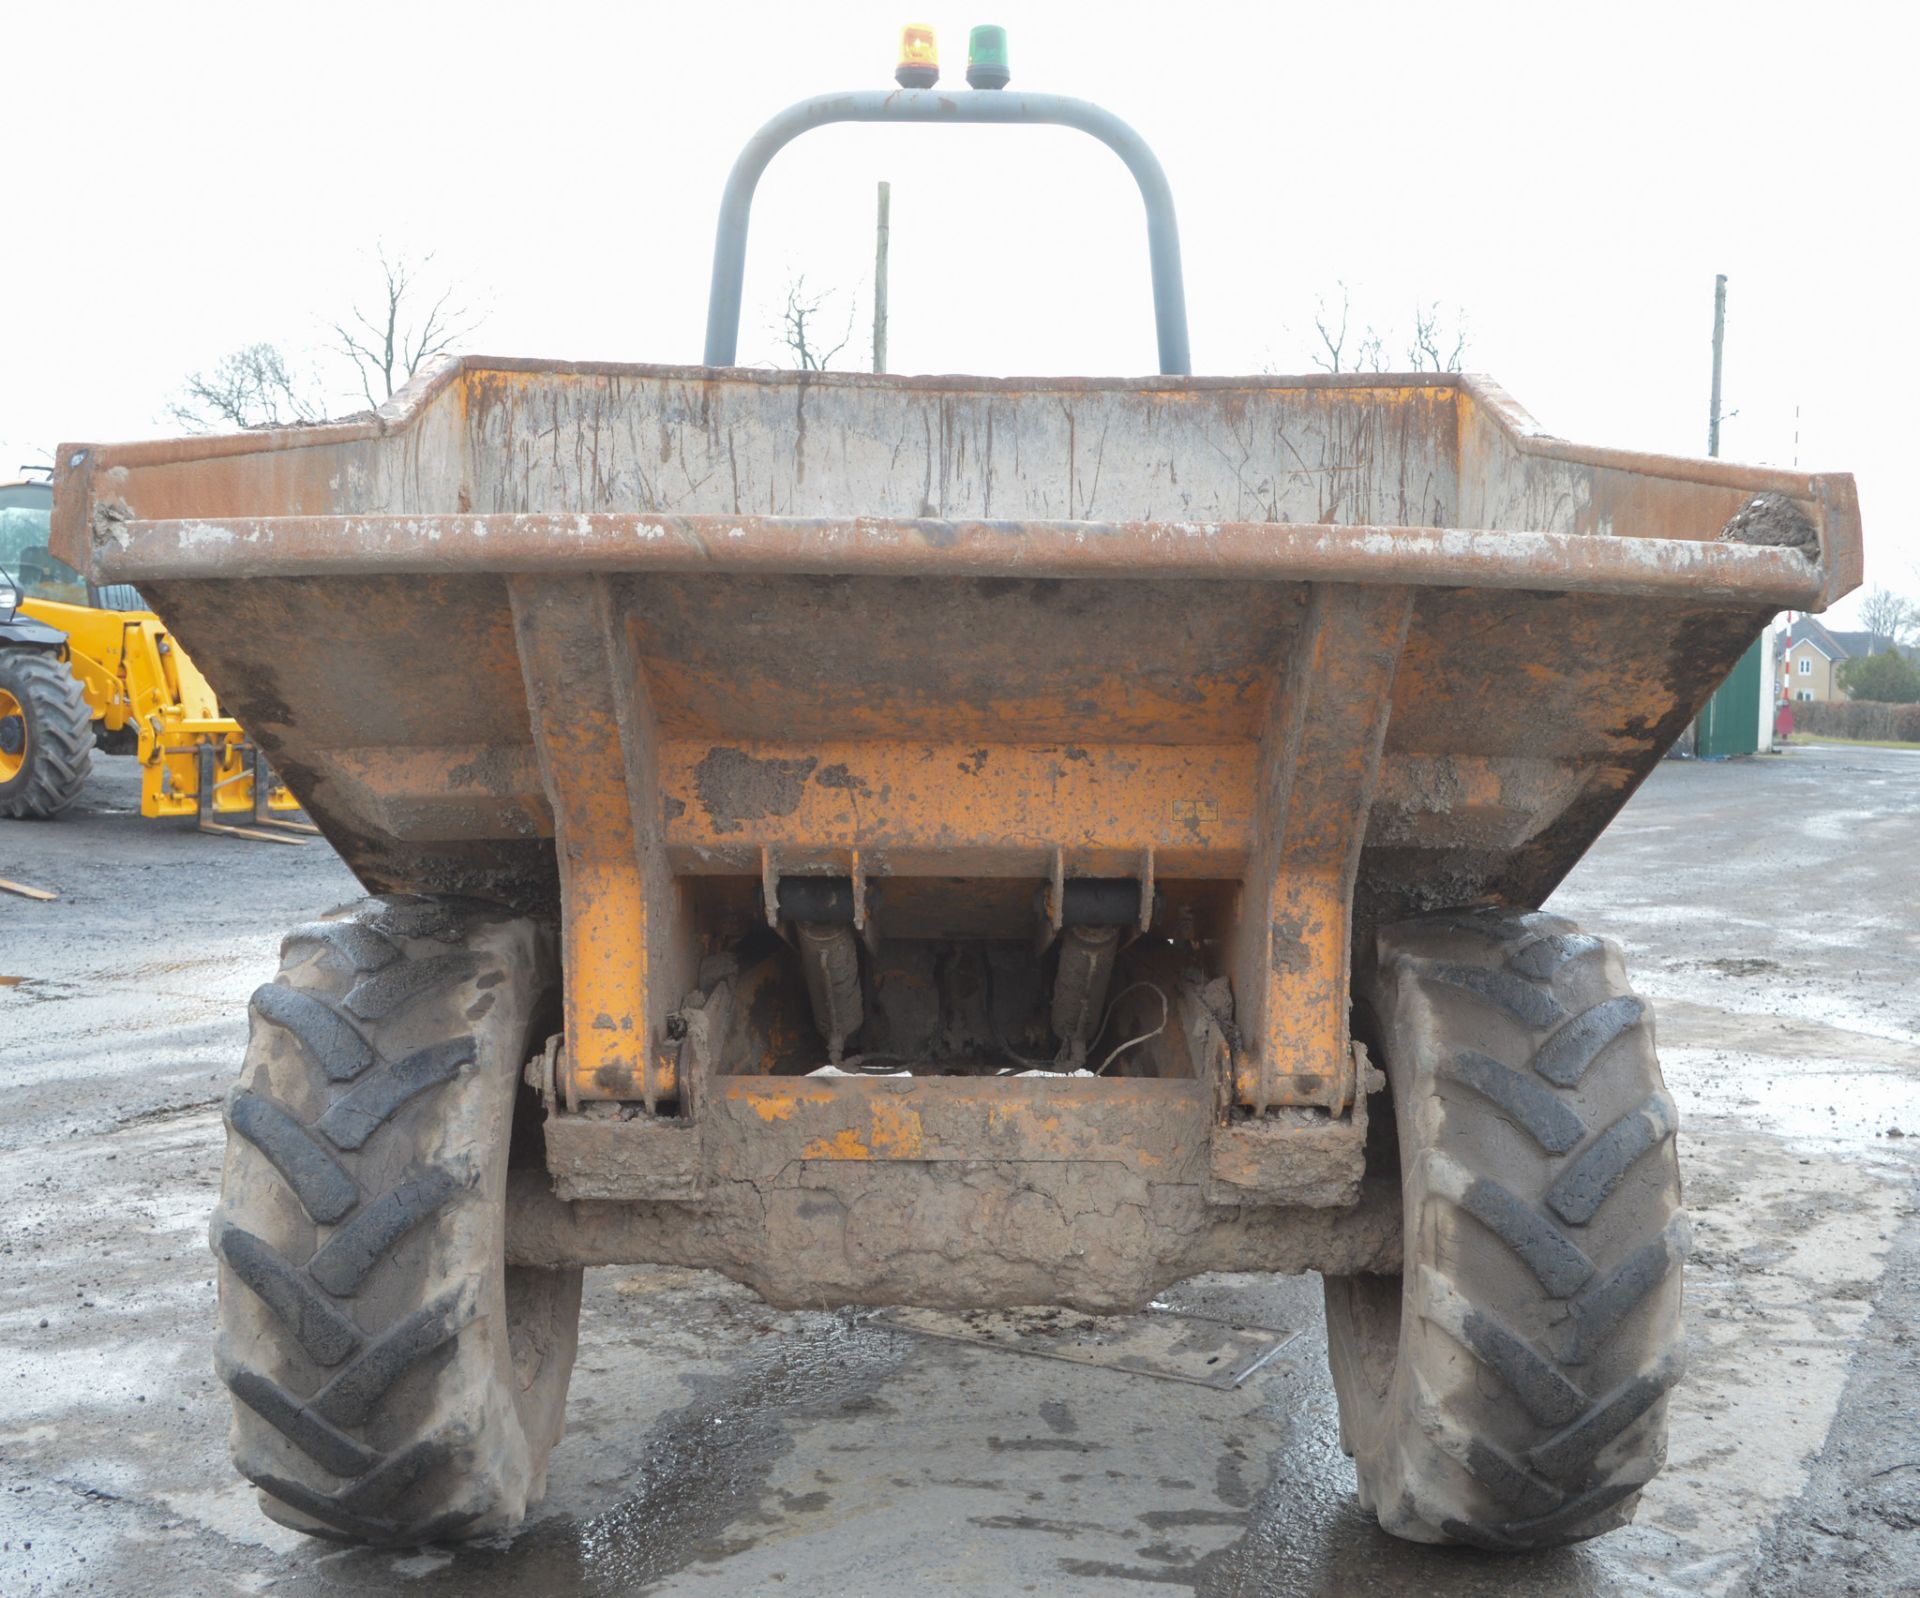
(919, 66)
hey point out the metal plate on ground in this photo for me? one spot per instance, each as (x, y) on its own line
(1159, 1343)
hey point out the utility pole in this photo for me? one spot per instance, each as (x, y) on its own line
(1703, 725)
(880, 284)
(1719, 340)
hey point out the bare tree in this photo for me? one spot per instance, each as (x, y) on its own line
(1888, 618)
(1370, 355)
(1435, 346)
(252, 387)
(406, 323)
(1344, 350)
(1333, 337)
(799, 329)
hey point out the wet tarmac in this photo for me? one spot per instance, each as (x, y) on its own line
(718, 1446)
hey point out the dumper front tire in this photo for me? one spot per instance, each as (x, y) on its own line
(1509, 1390)
(395, 1381)
(46, 735)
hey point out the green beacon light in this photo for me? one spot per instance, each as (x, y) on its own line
(987, 58)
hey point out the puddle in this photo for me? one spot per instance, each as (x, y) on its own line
(1163, 1343)
(696, 1490)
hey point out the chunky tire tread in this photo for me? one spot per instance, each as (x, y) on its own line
(1563, 1059)
(1594, 1315)
(323, 1031)
(357, 1114)
(1544, 1241)
(1540, 957)
(331, 1447)
(59, 734)
(322, 1331)
(1576, 1198)
(341, 1264)
(374, 1324)
(1532, 1378)
(1554, 1258)
(349, 1397)
(346, 945)
(348, 1510)
(1553, 1124)
(1574, 1448)
(375, 997)
(325, 1191)
(1525, 1001)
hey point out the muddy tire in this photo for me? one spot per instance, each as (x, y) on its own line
(46, 735)
(395, 1381)
(1510, 1390)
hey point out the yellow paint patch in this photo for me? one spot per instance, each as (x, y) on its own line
(896, 1131)
(843, 1145)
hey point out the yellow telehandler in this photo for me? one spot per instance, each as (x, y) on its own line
(85, 666)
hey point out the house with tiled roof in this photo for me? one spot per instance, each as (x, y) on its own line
(1808, 657)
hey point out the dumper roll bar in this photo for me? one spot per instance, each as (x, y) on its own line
(933, 105)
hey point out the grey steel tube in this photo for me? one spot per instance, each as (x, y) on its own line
(938, 105)
(1087, 956)
(830, 960)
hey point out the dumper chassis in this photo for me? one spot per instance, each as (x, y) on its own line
(953, 842)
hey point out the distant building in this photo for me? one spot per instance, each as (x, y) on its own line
(1809, 668)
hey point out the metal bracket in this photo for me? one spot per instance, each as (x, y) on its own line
(206, 815)
(547, 1077)
(263, 797)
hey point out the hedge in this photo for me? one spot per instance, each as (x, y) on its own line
(1862, 719)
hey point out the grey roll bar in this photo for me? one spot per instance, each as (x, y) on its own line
(935, 105)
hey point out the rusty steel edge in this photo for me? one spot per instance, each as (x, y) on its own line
(310, 546)
(81, 466)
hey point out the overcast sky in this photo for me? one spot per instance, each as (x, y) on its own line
(186, 180)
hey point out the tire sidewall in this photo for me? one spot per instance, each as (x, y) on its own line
(34, 677)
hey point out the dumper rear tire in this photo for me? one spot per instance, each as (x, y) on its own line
(1509, 1390)
(46, 735)
(395, 1381)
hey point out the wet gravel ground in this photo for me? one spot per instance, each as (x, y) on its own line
(1768, 908)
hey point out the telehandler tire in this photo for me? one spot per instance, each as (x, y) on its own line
(395, 1381)
(1509, 1390)
(46, 735)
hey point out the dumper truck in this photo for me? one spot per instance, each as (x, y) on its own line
(953, 842)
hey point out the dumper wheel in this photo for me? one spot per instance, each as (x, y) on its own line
(1509, 1391)
(395, 1380)
(46, 735)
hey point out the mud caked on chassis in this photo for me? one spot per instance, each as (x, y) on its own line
(952, 842)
